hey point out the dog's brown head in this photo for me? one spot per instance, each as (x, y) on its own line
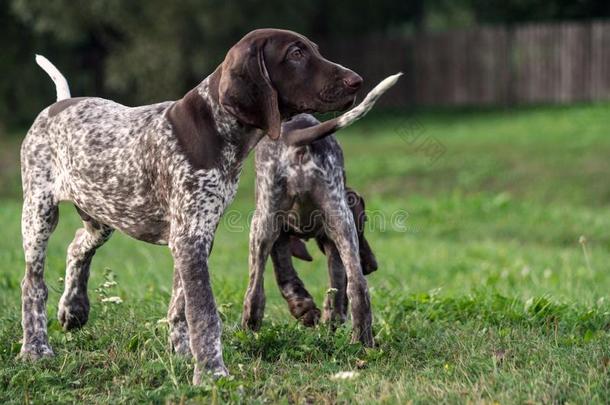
(271, 74)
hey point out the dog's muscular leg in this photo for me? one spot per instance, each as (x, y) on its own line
(335, 305)
(176, 316)
(190, 244)
(204, 325)
(73, 309)
(342, 231)
(263, 234)
(39, 218)
(299, 300)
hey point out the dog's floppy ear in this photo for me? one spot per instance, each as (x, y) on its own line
(357, 206)
(245, 88)
(355, 202)
(298, 249)
(368, 261)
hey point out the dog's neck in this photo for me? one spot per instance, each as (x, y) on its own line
(227, 125)
(210, 136)
(244, 137)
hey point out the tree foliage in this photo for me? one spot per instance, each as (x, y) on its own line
(142, 52)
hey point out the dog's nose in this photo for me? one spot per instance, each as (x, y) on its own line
(353, 81)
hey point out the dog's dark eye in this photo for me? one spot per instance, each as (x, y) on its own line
(296, 54)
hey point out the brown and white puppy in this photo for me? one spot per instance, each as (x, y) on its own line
(301, 193)
(164, 174)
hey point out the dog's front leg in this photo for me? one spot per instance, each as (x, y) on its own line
(176, 316)
(190, 245)
(342, 231)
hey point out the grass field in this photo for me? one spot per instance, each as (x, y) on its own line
(487, 293)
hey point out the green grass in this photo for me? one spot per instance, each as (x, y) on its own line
(484, 294)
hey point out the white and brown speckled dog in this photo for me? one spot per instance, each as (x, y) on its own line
(301, 194)
(163, 173)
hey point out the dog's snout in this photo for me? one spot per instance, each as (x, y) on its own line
(353, 81)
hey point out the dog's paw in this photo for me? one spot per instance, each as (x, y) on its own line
(363, 336)
(216, 372)
(33, 352)
(305, 311)
(311, 317)
(73, 314)
(252, 323)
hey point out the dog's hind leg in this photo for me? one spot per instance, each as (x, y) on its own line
(73, 309)
(299, 300)
(342, 231)
(39, 218)
(336, 304)
(263, 234)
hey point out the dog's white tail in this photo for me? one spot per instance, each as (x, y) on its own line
(304, 136)
(369, 101)
(61, 84)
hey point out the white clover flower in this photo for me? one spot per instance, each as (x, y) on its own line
(109, 284)
(345, 375)
(113, 300)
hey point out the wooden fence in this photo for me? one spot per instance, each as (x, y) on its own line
(534, 63)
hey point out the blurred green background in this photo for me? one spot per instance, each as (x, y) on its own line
(142, 52)
(492, 289)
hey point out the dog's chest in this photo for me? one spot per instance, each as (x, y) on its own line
(207, 190)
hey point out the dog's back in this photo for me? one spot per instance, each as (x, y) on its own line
(296, 171)
(97, 154)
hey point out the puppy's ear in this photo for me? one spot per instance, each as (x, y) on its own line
(356, 204)
(299, 250)
(368, 261)
(245, 88)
